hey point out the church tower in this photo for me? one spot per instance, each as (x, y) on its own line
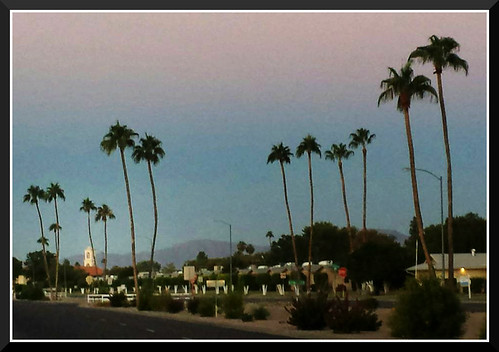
(88, 260)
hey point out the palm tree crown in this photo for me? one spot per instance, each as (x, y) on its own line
(119, 136)
(149, 150)
(34, 195)
(440, 52)
(280, 153)
(405, 86)
(338, 152)
(104, 213)
(361, 137)
(308, 145)
(55, 191)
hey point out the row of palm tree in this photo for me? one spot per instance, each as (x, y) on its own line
(338, 152)
(404, 86)
(34, 195)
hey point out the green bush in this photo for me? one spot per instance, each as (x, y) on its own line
(307, 313)
(206, 307)
(31, 292)
(347, 317)
(427, 310)
(260, 313)
(118, 300)
(193, 305)
(233, 305)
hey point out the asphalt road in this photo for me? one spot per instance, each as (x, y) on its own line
(41, 320)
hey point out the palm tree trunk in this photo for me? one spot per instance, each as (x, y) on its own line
(419, 219)
(105, 247)
(45, 263)
(449, 182)
(289, 216)
(311, 221)
(345, 205)
(364, 197)
(155, 217)
(132, 227)
(91, 242)
(57, 247)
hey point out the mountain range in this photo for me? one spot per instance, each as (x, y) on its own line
(179, 253)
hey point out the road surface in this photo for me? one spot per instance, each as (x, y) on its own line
(69, 321)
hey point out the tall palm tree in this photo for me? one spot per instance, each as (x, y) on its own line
(340, 152)
(87, 206)
(53, 192)
(309, 145)
(121, 137)
(441, 53)
(283, 155)
(362, 137)
(150, 150)
(406, 87)
(33, 196)
(104, 213)
(270, 236)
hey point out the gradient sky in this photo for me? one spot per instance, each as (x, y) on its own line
(219, 89)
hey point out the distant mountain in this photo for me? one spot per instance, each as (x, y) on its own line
(399, 236)
(176, 254)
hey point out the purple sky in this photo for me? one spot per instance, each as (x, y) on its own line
(219, 89)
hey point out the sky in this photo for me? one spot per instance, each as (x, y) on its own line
(219, 89)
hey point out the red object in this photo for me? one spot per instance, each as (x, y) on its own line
(342, 272)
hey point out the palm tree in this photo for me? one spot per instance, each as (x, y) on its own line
(340, 153)
(407, 87)
(362, 137)
(441, 53)
(283, 155)
(150, 150)
(121, 137)
(104, 213)
(53, 192)
(87, 206)
(309, 145)
(270, 236)
(33, 196)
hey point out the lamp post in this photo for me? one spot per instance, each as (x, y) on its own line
(230, 251)
(441, 215)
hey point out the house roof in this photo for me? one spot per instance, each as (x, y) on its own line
(91, 270)
(461, 260)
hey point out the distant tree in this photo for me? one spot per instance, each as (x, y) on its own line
(53, 192)
(270, 235)
(87, 206)
(104, 213)
(309, 145)
(340, 152)
(250, 249)
(283, 155)
(151, 151)
(121, 137)
(362, 137)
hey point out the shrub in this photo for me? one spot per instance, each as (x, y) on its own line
(246, 317)
(349, 317)
(260, 313)
(193, 305)
(206, 307)
(233, 305)
(118, 300)
(31, 292)
(307, 313)
(175, 306)
(427, 310)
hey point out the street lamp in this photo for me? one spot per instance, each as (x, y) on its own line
(230, 251)
(441, 215)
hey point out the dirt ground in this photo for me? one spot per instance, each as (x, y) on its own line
(277, 323)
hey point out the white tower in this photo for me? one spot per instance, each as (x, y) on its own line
(88, 260)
